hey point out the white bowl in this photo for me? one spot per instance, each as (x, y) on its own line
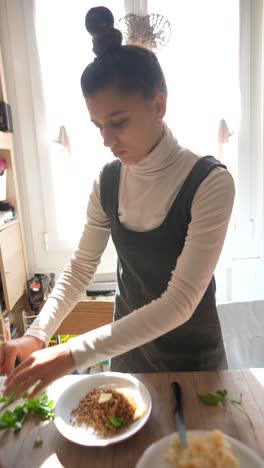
(74, 393)
(154, 456)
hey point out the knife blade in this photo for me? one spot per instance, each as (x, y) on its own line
(179, 412)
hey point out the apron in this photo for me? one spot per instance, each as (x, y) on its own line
(145, 264)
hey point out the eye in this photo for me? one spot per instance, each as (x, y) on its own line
(119, 124)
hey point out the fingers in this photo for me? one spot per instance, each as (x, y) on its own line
(17, 348)
(38, 389)
(18, 382)
(22, 382)
(9, 364)
(20, 379)
(25, 380)
(27, 377)
(23, 366)
(22, 387)
(7, 359)
(41, 368)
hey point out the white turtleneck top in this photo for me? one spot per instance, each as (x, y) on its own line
(142, 208)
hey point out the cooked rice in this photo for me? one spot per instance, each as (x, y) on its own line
(96, 415)
(203, 451)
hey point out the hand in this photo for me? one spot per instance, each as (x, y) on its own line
(41, 368)
(19, 348)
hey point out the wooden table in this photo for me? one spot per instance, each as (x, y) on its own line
(17, 451)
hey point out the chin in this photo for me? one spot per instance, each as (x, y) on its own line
(126, 162)
(130, 161)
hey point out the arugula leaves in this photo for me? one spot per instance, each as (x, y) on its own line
(115, 422)
(15, 418)
(214, 398)
(221, 397)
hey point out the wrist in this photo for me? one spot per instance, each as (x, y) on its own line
(39, 344)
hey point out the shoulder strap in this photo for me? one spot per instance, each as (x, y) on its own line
(109, 187)
(202, 168)
(111, 174)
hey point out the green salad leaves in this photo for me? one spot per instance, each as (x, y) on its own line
(15, 418)
(115, 422)
(221, 397)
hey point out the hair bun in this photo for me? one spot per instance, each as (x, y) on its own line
(99, 22)
(107, 40)
(98, 19)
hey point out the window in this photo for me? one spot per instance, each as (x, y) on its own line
(201, 67)
(76, 153)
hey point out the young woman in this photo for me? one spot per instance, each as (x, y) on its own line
(167, 210)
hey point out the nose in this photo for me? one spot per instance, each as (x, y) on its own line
(109, 137)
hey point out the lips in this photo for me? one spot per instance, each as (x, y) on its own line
(119, 153)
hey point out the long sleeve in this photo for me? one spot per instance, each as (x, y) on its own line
(162, 171)
(211, 211)
(77, 273)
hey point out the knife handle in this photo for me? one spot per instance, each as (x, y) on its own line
(177, 394)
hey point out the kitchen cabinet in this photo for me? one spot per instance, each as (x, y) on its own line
(13, 263)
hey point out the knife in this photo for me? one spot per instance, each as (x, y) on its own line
(179, 412)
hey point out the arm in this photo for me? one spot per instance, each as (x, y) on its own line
(211, 210)
(77, 273)
(72, 282)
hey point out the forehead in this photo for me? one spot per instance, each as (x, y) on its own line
(109, 103)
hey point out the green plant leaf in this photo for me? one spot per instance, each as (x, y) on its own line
(221, 396)
(15, 419)
(213, 398)
(115, 422)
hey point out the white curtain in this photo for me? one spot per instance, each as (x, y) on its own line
(138, 7)
(201, 64)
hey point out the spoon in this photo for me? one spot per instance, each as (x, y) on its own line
(179, 412)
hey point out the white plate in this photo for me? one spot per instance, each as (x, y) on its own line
(154, 455)
(75, 392)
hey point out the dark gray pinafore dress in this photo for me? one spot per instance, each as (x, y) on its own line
(145, 264)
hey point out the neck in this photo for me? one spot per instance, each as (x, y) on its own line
(158, 138)
(161, 156)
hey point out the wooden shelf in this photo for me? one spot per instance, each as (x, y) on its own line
(13, 266)
(5, 141)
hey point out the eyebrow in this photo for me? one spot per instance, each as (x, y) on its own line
(112, 114)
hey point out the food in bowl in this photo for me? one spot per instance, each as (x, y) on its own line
(106, 411)
(209, 450)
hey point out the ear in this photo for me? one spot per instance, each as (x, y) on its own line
(159, 105)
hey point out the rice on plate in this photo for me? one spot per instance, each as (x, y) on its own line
(203, 451)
